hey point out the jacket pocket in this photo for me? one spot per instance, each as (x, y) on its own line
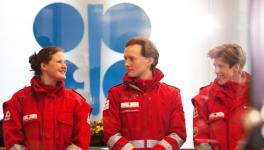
(218, 132)
(64, 128)
(32, 129)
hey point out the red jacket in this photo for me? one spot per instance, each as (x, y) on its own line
(218, 112)
(42, 117)
(144, 114)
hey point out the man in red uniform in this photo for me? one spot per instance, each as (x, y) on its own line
(220, 106)
(46, 115)
(142, 112)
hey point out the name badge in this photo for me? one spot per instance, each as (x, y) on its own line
(30, 117)
(216, 115)
(129, 104)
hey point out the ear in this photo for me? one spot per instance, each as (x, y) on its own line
(237, 67)
(150, 61)
(43, 66)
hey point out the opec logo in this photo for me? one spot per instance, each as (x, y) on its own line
(62, 25)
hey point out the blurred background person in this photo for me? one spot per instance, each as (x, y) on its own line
(254, 120)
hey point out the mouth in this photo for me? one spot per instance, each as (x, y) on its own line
(63, 71)
(129, 70)
(220, 76)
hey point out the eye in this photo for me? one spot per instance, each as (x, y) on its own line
(61, 61)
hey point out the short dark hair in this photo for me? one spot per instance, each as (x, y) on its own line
(148, 49)
(231, 54)
(43, 56)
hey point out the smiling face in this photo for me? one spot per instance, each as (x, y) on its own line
(54, 70)
(137, 65)
(224, 72)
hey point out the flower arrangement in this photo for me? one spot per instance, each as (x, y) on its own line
(97, 131)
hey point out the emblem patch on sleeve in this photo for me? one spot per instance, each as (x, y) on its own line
(195, 112)
(7, 115)
(195, 131)
(106, 104)
(88, 119)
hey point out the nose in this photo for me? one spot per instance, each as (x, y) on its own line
(216, 70)
(127, 63)
(64, 66)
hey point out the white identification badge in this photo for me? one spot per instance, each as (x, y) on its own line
(129, 104)
(30, 117)
(216, 115)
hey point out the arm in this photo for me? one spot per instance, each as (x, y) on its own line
(112, 125)
(200, 126)
(12, 124)
(177, 131)
(81, 128)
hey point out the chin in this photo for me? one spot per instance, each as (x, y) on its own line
(131, 75)
(61, 78)
(221, 82)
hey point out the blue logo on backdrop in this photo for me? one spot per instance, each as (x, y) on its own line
(61, 25)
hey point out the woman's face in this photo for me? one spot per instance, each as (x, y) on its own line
(55, 69)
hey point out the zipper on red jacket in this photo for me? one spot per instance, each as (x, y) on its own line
(228, 134)
(145, 121)
(42, 122)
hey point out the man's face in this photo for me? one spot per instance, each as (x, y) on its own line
(223, 71)
(137, 65)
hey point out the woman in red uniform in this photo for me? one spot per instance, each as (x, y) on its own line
(46, 115)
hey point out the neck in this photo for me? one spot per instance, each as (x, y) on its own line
(47, 81)
(239, 78)
(148, 75)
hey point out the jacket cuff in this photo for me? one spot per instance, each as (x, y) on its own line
(73, 147)
(159, 147)
(17, 147)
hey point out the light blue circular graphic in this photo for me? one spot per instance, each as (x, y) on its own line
(113, 76)
(58, 24)
(122, 22)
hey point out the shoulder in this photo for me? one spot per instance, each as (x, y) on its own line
(117, 87)
(75, 93)
(170, 88)
(20, 94)
(206, 88)
(77, 97)
(202, 97)
(18, 97)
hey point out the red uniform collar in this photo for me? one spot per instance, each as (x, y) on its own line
(143, 85)
(232, 91)
(39, 87)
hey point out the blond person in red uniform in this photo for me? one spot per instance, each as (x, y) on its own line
(142, 112)
(220, 106)
(46, 115)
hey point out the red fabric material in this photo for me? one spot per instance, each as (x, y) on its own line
(121, 143)
(172, 142)
(156, 113)
(159, 147)
(57, 118)
(229, 101)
